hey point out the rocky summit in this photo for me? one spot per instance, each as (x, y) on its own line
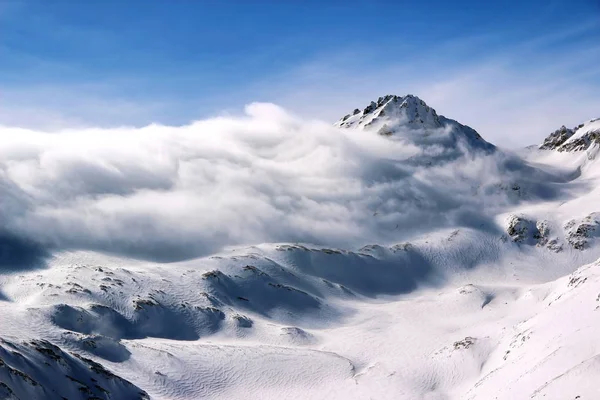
(394, 115)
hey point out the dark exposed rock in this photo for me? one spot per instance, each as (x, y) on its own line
(526, 231)
(139, 304)
(579, 233)
(216, 274)
(557, 138)
(465, 343)
(370, 108)
(520, 229)
(243, 321)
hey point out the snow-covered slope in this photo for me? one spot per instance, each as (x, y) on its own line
(420, 263)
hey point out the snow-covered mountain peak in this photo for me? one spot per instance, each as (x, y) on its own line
(392, 114)
(409, 111)
(578, 138)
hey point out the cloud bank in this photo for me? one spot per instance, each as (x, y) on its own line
(171, 193)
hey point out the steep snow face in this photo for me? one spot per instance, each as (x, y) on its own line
(579, 138)
(553, 354)
(399, 115)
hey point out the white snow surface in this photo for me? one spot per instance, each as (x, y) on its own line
(265, 257)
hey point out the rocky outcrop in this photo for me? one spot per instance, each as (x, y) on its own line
(522, 230)
(575, 233)
(518, 228)
(528, 231)
(557, 138)
(544, 239)
(579, 233)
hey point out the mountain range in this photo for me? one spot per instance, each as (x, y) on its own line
(434, 265)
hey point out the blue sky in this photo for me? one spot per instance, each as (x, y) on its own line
(511, 69)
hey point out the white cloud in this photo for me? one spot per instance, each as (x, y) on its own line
(168, 193)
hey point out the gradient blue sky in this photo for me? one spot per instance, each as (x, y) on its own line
(511, 69)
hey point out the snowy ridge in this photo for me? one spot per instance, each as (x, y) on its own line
(579, 138)
(422, 262)
(40, 370)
